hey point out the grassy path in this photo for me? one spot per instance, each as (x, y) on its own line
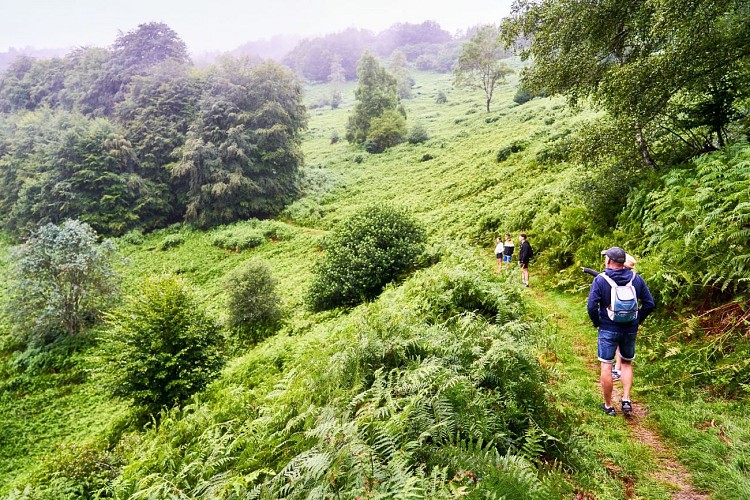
(632, 451)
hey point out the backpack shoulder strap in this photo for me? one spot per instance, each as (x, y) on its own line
(608, 279)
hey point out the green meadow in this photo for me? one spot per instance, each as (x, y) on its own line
(454, 382)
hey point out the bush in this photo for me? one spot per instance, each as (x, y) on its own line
(441, 98)
(522, 96)
(386, 130)
(63, 281)
(162, 347)
(335, 137)
(418, 134)
(365, 253)
(134, 237)
(171, 241)
(239, 238)
(514, 147)
(253, 302)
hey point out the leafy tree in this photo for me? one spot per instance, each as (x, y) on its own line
(86, 88)
(386, 131)
(252, 300)
(63, 165)
(399, 68)
(369, 250)
(242, 154)
(642, 62)
(312, 58)
(479, 65)
(63, 281)
(337, 78)
(402, 35)
(377, 91)
(163, 347)
(132, 54)
(156, 114)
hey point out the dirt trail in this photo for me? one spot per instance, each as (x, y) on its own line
(669, 470)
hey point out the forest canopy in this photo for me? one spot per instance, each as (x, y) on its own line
(135, 136)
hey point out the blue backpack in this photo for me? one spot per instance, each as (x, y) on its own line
(623, 307)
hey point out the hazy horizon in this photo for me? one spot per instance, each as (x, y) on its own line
(224, 25)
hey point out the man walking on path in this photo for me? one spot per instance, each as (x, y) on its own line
(613, 331)
(524, 254)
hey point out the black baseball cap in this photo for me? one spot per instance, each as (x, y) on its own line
(616, 254)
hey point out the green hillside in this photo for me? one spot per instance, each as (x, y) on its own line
(455, 381)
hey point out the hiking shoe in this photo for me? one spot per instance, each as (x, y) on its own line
(609, 410)
(615, 375)
(627, 407)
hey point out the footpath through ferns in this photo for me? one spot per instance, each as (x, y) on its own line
(637, 437)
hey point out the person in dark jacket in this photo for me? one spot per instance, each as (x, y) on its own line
(612, 334)
(524, 255)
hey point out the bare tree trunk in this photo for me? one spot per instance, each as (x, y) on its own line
(643, 146)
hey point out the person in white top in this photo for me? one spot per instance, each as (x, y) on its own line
(499, 254)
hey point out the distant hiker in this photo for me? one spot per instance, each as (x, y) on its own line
(499, 254)
(630, 264)
(617, 322)
(508, 248)
(524, 255)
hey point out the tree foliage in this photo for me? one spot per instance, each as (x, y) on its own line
(479, 65)
(253, 305)
(163, 347)
(369, 250)
(133, 136)
(657, 67)
(242, 154)
(377, 92)
(63, 281)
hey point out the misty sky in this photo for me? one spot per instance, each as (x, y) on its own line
(210, 25)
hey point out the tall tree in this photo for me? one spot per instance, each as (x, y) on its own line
(136, 51)
(242, 154)
(377, 91)
(399, 68)
(337, 78)
(156, 113)
(65, 166)
(479, 65)
(639, 61)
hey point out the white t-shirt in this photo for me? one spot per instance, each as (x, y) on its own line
(499, 248)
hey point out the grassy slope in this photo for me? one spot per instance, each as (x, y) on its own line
(454, 194)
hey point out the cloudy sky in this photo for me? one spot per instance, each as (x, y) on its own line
(209, 25)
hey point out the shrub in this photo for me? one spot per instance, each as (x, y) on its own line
(171, 241)
(252, 300)
(134, 237)
(418, 134)
(514, 147)
(162, 347)
(63, 281)
(522, 96)
(441, 98)
(386, 131)
(366, 252)
(335, 137)
(239, 238)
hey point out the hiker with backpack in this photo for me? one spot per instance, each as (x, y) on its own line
(613, 308)
(630, 264)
